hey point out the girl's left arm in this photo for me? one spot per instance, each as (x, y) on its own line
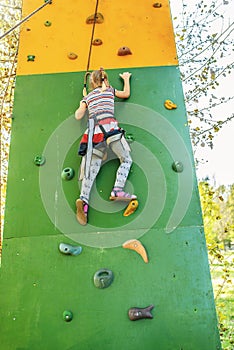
(80, 112)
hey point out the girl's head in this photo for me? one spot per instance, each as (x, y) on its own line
(99, 78)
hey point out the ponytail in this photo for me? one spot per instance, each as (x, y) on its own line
(104, 87)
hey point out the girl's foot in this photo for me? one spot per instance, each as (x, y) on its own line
(119, 195)
(82, 211)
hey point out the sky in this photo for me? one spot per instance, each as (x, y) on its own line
(217, 163)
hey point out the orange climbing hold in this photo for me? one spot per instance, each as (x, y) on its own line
(72, 56)
(97, 42)
(124, 51)
(132, 206)
(136, 245)
(98, 19)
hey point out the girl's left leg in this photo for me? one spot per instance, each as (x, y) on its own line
(122, 172)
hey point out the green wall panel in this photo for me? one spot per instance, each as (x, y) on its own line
(38, 283)
(43, 283)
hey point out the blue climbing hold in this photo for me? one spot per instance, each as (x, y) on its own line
(69, 249)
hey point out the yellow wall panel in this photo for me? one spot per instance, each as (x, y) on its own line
(146, 30)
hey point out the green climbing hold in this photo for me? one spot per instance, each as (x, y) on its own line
(129, 137)
(31, 58)
(67, 174)
(67, 315)
(39, 160)
(47, 23)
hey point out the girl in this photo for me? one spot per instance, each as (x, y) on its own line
(103, 131)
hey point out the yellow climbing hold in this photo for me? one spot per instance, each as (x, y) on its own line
(132, 206)
(170, 105)
(136, 245)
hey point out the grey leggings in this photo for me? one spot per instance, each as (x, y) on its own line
(121, 174)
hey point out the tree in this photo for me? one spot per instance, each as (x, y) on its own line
(10, 15)
(204, 36)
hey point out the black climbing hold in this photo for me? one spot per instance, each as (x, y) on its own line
(103, 278)
(67, 173)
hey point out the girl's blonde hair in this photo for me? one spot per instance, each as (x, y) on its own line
(98, 78)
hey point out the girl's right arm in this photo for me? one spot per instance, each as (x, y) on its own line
(125, 93)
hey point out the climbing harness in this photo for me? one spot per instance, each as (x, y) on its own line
(25, 19)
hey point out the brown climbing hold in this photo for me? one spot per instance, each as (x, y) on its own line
(97, 42)
(72, 56)
(132, 206)
(170, 105)
(136, 245)
(98, 19)
(139, 313)
(157, 5)
(123, 51)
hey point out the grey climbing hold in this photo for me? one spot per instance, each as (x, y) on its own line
(177, 167)
(69, 249)
(103, 278)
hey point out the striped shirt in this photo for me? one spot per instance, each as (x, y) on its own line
(101, 107)
(100, 102)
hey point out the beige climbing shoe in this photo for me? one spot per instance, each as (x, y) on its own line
(80, 213)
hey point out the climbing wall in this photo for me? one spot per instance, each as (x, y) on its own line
(66, 286)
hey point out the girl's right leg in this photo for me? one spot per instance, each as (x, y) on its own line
(83, 202)
(123, 154)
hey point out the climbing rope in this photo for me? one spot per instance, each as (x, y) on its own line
(90, 51)
(92, 35)
(25, 19)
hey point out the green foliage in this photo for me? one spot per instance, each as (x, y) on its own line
(203, 32)
(218, 213)
(218, 217)
(10, 12)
